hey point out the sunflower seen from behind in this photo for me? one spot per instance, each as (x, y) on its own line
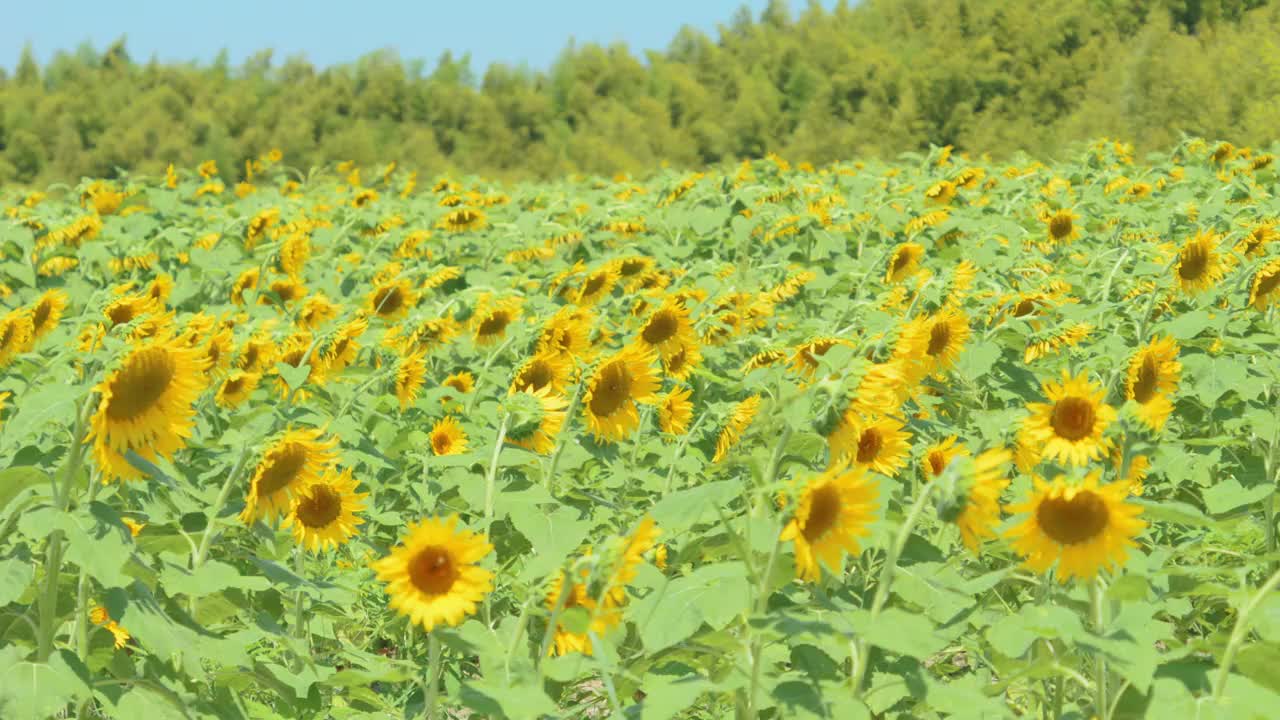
(433, 576)
(536, 419)
(971, 494)
(834, 511)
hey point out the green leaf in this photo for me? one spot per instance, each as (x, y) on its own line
(1228, 494)
(20, 271)
(210, 578)
(667, 695)
(499, 699)
(683, 509)
(713, 594)
(977, 360)
(15, 576)
(39, 690)
(16, 479)
(294, 377)
(898, 631)
(1212, 377)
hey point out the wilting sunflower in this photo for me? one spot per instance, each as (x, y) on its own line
(147, 405)
(739, 420)
(834, 510)
(932, 343)
(296, 459)
(618, 383)
(100, 616)
(447, 437)
(877, 443)
(392, 300)
(976, 512)
(568, 332)
(323, 514)
(1152, 379)
(578, 597)
(1200, 264)
(490, 322)
(596, 286)
(433, 576)
(668, 329)
(547, 369)
(236, 388)
(939, 456)
(1264, 288)
(764, 358)
(1069, 427)
(411, 373)
(539, 419)
(1082, 526)
(904, 263)
(675, 411)
(16, 334)
(1062, 226)
(47, 311)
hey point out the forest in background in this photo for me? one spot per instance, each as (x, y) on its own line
(871, 79)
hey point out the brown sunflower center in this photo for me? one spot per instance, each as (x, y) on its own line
(282, 468)
(319, 507)
(939, 339)
(495, 323)
(1195, 262)
(824, 510)
(677, 361)
(121, 313)
(388, 300)
(661, 327)
(442, 442)
(1144, 385)
(1073, 418)
(937, 462)
(432, 570)
(7, 335)
(901, 260)
(233, 386)
(41, 314)
(869, 444)
(1077, 520)
(1024, 307)
(249, 360)
(1267, 283)
(141, 383)
(1060, 226)
(631, 267)
(535, 376)
(612, 389)
(594, 284)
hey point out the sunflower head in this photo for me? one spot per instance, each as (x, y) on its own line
(550, 370)
(835, 510)
(295, 460)
(236, 387)
(433, 576)
(491, 319)
(675, 412)
(411, 373)
(447, 437)
(904, 262)
(392, 300)
(1200, 264)
(47, 311)
(618, 383)
(1070, 426)
(536, 417)
(323, 512)
(1062, 226)
(1264, 287)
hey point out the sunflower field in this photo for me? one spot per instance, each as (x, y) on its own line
(933, 438)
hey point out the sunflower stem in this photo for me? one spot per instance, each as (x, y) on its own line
(1100, 668)
(863, 660)
(299, 599)
(475, 391)
(549, 478)
(604, 675)
(432, 689)
(202, 551)
(679, 451)
(1240, 632)
(491, 476)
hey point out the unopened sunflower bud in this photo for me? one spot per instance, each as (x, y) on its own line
(524, 416)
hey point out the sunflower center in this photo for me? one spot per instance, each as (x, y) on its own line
(495, 323)
(388, 300)
(249, 360)
(937, 462)
(432, 570)
(141, 382)
(1268, 283)
(1060, 226)
(121, 313)
(319, 507)
(1073, 521)
(1195, 261)
(1144, 386)
(285, 466)
(1073, 418)
(612, 390)
(594, 284)
(535, 376)
(1024, 308)
(824, 510)
(233, 386)
(41, 314)
(661, 327)
(7, 335)
(939, 338)
(441, 443)
(901, 260)
(631, 267)
(869, 444)
(676, 362)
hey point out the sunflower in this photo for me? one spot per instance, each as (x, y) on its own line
(668, 329)
(392, 299)
(316, 311)
(257, 355)
(4, 400)
(411, 372)
(1200, 264)
(546, 369)
(217, 351)
(1255, 243)
(675, 411)
(323, 513)
(286, 290)
(236, 388)
(1263, 287)
(100, 616)
(464, 382)
(463, 220)
(640, 541)
(16, 333)
(739, 420)
(805, 359)
(247, 280)
(47, 311)
(618, 383)
(295, 460)
(1069, 427)
(569, 332)
(433, 576)
(160, 288)
(834, 510)
(297, 351)
(545, 416)
(933, 343)
(904, 263)
(578, 597)
(489, 324)
(431, 334)
(1082, 526)
(596, 286)
(1062, 226)
(984, 479)
(447, 437)
(877, 443)
(941, 192)
(343, 347)
(939, 456)
(1152, 379)
(124, 310)
(147, 406)
(680, 364)
(762, 359)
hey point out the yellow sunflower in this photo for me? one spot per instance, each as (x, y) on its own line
(464, 382)
(490, 322)
(257, 354)
(462, 220)
(805, 359)
(16, 333)
(342, 349)
(411, 373)
(100, 616)
(124, 310)
(640, 541)
(596, 286)
(675, 411)
(739, 420)
(217, 352)
(668, 329)
(618, 383)
(578, 597)
(834, 511)
(236, 388)
(323, 513)
(296, 459)
(247, 280)
(681, 363)
(1264, 288)
(568, 332)
(392, 300)
(160, 288)
(904, 263)
(939, 456)
(546, 369)
(1200, 264)
(47, 311)
(1152, 380)
(545, 417)
(147, 405)
(877, 443)
(1082, 526)
(932, 343)
(1069, 427)
(985, 477)
(297, 351)
(433, 577)
(447, 437)
(1062, 226)
(316, 311)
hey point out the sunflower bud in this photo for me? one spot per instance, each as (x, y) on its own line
(829, 404)
(524, 416)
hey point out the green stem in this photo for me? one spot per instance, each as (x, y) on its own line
(432, 690)
(299, 600)
(863, 659)
(1240, 632)
(1100, 666)
(82, 616)
(202, 551)
(570, 414)
(761, 604)
(610, 691)
(53, 552)
(491, 476)
(675, 456)
(475, 391)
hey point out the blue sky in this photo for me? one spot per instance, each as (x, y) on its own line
(328, 32)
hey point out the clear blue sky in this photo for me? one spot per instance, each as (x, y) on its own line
(329, 32)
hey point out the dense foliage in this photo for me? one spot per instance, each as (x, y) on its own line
(870, 79)
(943, 437)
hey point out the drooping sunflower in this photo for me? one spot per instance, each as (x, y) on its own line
(47, 311)
(447, 437)
(217, 351)
(316, 311)
(668, 329)
(1152, 380)
(675, 412)
(979, 511)
(257, 354)
(739, 420)
(1200, 263)
(877, 443)
(1061, 226)
(904, 263)
(939, 456)
(932, 343)
(542, 420)
(323, 513)
(298, 350)
(296, 459)
(618, 383)
(247, 280)
(490, 322)
(1069, 427)
(392, 300)
(433, 576)
(285, 290)
(411, 373)
(343, 347)
(1083, 526)
(462, 220)
(16, 333)
(147, 405)
(834, 511)
(124, 310)
(765, 358)
(1264, 288)
(236, 388)
(546, 369)
(805, 359)
(1255, 243)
